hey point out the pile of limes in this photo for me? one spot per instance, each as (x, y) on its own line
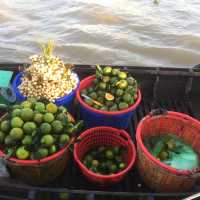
(34, 129)
(105, 160)
(112, 90)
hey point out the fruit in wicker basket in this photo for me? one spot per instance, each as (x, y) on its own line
(33, 135)
(105, 160)
(111, 90)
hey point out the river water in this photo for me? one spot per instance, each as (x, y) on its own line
(120, 32)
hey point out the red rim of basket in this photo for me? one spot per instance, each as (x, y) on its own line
(44, 160)
(121, 173)
(149, 155)
(134, 106)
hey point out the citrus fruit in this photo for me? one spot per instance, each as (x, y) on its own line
(123, 105)
(57, 126)
(16, 122)
(45, 128)
(48, 117)
(16, 112)
(107, 70)
(27, 140)
(109, 96)
(26, 104)
(47, 140)
(27, 114)
(109, 154)
(38, 118)
(39, 106)
(122, 75)
(22, 153)
(52, 108)
(64, 138)
(16, 133)
(127, 97)
(41, 153)
(5, 126)
(29, 127)
(52, 149)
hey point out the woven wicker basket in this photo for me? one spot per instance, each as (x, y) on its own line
(157, 175)
(38, 172)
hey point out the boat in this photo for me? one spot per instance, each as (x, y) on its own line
(175, 89)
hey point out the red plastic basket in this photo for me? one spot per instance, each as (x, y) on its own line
(104, 136)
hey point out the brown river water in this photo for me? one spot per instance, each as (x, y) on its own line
(119, 32)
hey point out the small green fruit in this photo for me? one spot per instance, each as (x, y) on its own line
(16, 122)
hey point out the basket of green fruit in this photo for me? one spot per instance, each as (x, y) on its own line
(108, 98)
(35, 137)
(104, 154)
(168, 151)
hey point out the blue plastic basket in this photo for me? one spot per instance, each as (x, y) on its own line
(93, 117)
(65, 101)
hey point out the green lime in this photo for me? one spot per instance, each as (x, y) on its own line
(105, 108)
(47, 140)
(9, 140)
(122, 84)
(93, 95)
(113, 168)
(123, 105)
(163, 155)
(131, 80)
(48, 117)
(100, 99)
(88, 158)
(127, 97)
(115, 72)
(61, 117)
(113, 107)
(109, 154)
(41, 153)
(89, 102)
(119, 92)
(57, 126)
(95, 81)
(16, 122)
(40, 107)
(116, 150)
(16, 112)
(96, 106)
(101, 93)
(51, 108)
(5, 126)
(106, 79)
(64, 138)
(26, 104)
(62, 109)
(107, 70)
(29, 127)
(52, 149)
(122, 75)
(95, 163)
(102, 85)
(38, 118)
(122, 165)
(27, 114)
(90, 89)
(27, 140)
(16, 133)
(45, 128)
(2, 137)
(32, 100)
(22, 153)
